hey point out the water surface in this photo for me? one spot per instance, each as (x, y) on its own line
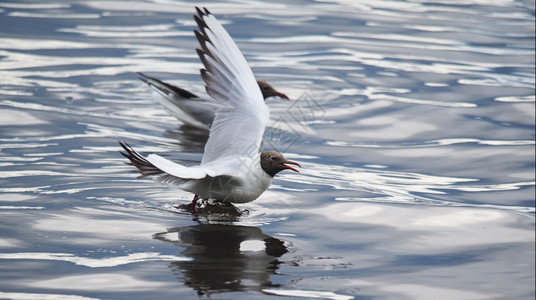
(413, 122)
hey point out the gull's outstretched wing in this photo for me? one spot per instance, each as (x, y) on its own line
(239, 125)
(157, 165)
(187, 107)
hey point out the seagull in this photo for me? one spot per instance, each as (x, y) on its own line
(232, 170)
(190, 109)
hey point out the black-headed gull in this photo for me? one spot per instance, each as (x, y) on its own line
(232, 169)
(191, 109)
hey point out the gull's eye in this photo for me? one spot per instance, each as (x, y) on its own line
(264, 87)
(273, 158)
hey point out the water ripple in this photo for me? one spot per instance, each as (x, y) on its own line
(413, 121)
(95, 262)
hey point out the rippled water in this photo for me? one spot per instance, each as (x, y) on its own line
(413, 122)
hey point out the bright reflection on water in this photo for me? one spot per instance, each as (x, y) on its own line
(413, 122)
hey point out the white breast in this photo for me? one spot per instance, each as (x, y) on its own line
(247, 184)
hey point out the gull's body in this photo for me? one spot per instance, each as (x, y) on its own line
(232, 169)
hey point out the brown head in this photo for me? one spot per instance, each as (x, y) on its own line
(269, 91)
(273, 162)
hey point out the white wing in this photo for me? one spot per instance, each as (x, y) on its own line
(239, 125)
(178, 170)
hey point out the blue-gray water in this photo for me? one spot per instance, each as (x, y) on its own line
(413, 122)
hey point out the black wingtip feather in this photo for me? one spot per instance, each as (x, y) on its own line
(143, 77)
(202, 39)
(202, 12)
(144, 166)
(200, 23)
(201, 55)
(165, 87)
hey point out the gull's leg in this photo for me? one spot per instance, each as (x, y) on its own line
(194, 202)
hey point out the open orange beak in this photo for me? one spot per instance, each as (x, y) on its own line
(284, 164)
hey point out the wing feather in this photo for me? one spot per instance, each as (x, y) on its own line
(156, 165)
(175, 169)
(239, 124)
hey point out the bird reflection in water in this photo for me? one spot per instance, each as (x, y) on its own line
(222, 259)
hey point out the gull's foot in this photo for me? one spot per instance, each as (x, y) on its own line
(211, 207)
(190, 207)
